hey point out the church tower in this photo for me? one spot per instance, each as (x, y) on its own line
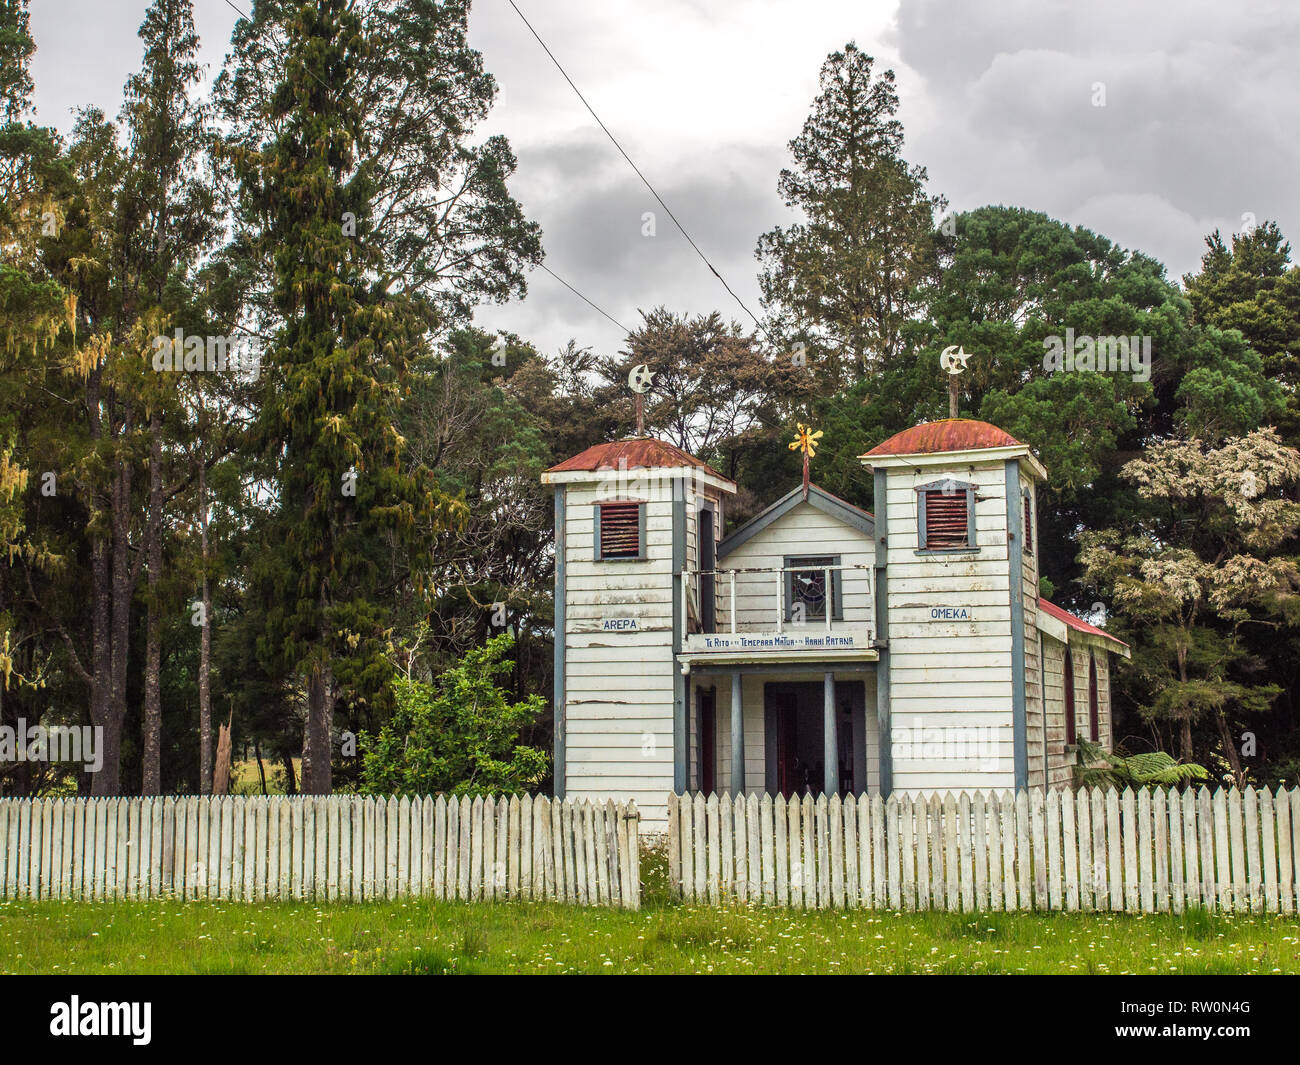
(630, 518)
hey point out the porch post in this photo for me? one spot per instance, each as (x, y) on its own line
(831, 753)
(737, 738)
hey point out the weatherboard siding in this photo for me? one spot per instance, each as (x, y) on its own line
(619, 684)
(803, 531)
(950, 676)
(1034, 722)
(1059, 762)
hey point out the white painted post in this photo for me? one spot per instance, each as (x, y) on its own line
(780, 600)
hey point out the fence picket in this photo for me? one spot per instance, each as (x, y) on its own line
(1295, 847)
(993, 816)
(1144, 836)
(1191, 868)
(923, 861)
(1038, 845)
(1254, 874)
(713, 827)
(1160, 840)
(485, 822)
(527, 849)
(1052, 818)
(1285, 855)
(544, 844)
(700, 851)
(1146, 851)
(794, 842)
(781, 851)
(1209, 860)
(1176, 860)
(852, 893)
(1222, 870)
(951, 867)
(965, 858)
(754, 849)
(1267, 827)
(1083, 839)
(980, 851)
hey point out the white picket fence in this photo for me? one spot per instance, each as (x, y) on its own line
(336, 847)
(1092, 849)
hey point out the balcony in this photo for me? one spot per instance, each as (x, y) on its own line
(798, 612)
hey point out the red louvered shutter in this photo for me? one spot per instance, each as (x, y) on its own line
(620, 530)
(945, 519)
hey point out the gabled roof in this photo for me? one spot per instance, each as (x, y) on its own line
(642, 452)
(1078, 624)
(819, 498)
(950, 434)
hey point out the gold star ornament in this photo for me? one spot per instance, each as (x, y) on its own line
(807, 441)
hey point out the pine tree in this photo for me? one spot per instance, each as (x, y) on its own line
(1252, 285)
(334, 375)
(34, 313)
(843, 279)
(168, 220)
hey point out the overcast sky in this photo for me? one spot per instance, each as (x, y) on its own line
(1197, 130)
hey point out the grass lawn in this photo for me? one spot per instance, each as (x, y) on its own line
(416, 936)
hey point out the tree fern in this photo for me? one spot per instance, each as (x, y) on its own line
(1154, 769)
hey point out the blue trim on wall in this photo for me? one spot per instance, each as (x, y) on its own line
(882, 633)
(681, 724)
(561, 601)
(737, 736)
(1016, 566)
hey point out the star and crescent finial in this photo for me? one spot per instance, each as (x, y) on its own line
(953, 362)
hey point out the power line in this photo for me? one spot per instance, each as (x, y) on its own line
(599, 310)
(644, 180)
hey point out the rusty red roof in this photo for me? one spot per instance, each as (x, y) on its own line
(950, 434)
(1078, 624)
(643, 452)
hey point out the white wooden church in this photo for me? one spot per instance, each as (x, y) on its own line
(817, 647)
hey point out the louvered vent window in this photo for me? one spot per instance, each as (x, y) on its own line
(1029, 527)
(946, 519)
(620, 530)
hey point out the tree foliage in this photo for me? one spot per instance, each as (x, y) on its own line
(458, 733)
